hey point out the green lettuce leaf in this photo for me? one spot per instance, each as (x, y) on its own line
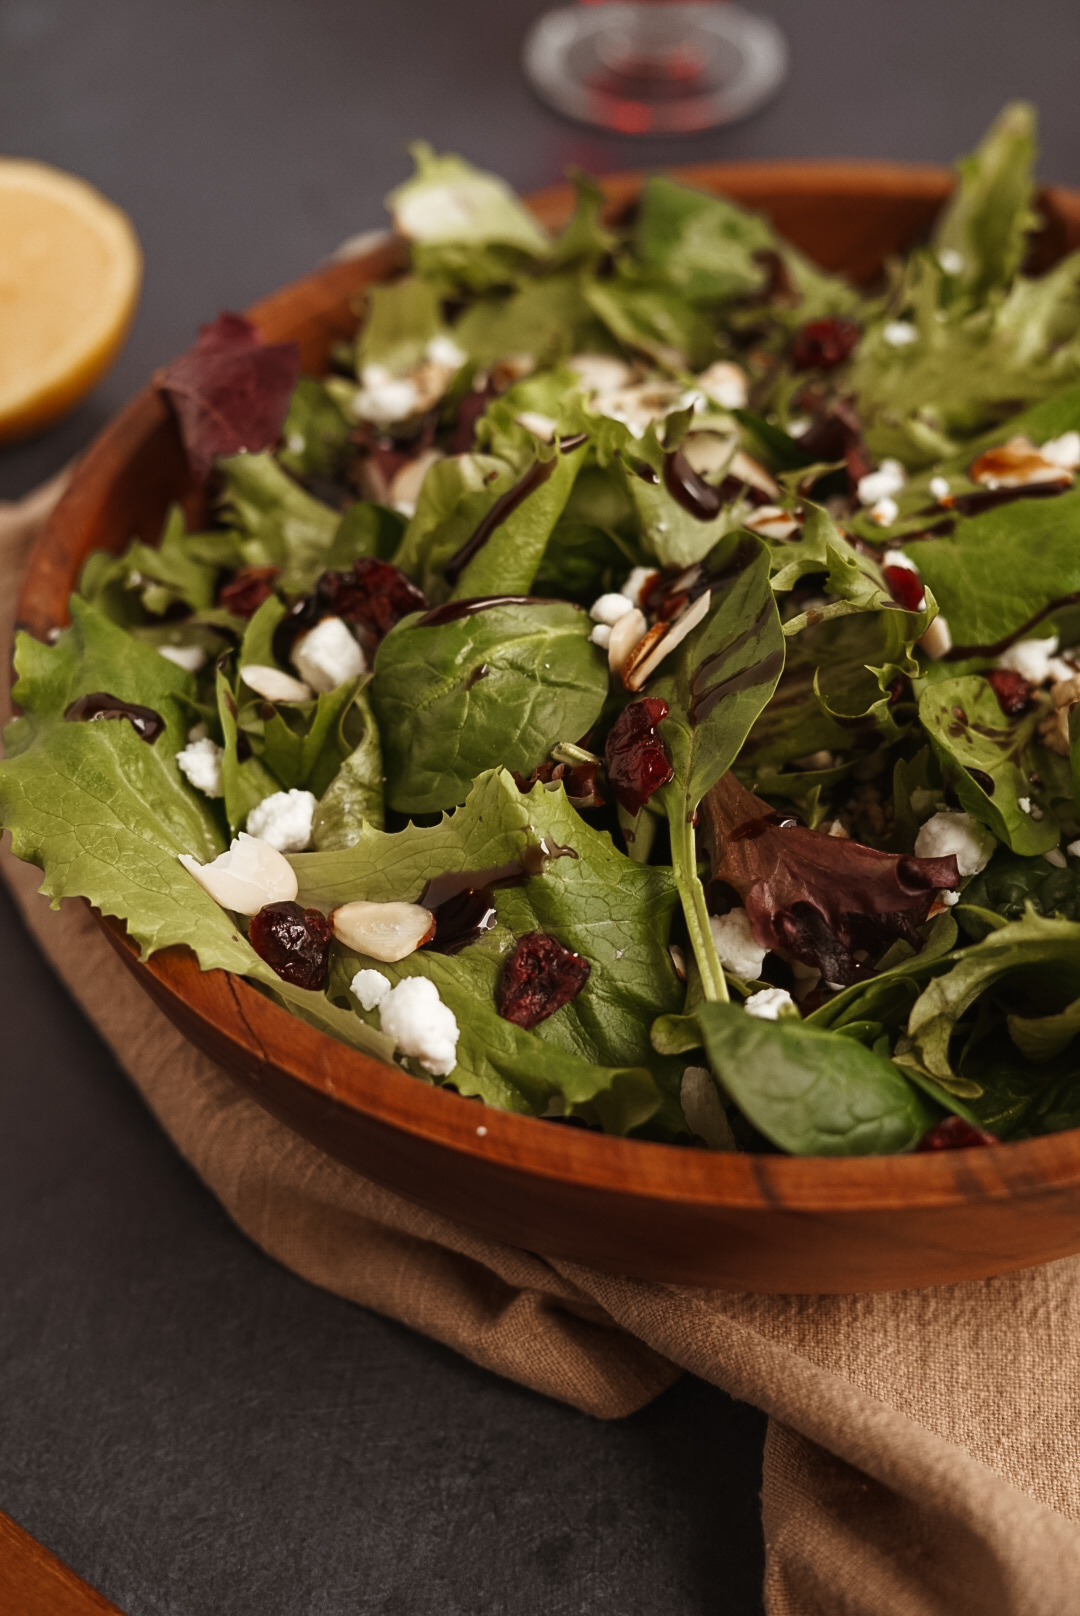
(282, 526)
(105, 814)
(316, 431)
(182, 570)
(456, 495)
(715, 684)
(703, 244)
(467, 227)
(497, 686)
(615, 913)
(354, 797)
(1041, 959)
(981, 754)
(988, 219)
(810, 1092)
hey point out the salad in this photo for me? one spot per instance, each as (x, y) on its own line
(633, 687)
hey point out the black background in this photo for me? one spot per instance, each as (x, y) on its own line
(192, 1428)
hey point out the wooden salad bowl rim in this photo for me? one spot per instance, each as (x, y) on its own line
(664, 1212)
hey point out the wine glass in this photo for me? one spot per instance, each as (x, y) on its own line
(655, 67)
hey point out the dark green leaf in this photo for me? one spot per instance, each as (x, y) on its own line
(809, 1092)
(494, 687)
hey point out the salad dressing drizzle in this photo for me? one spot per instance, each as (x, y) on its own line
(704, 696)
(506, 504)
(463, 901)
(452, 611)
(146, 723)
(690, 490)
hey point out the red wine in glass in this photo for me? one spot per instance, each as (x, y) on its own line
(655, 66)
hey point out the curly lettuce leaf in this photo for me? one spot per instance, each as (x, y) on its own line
(594, 1053)
(105, 814)
(466, 226)
(987, 220)
(280, 524)
(149, 579)
(316, 431)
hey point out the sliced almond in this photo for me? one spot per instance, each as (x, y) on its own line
(1017, 464)
(773, 523)
(601, 373)
(709, 453)
(625, 634)
(749, 470)
(725, 384)
(646, 657)
(383, 931)
(404, 491)
(246, 878)
(543, 427)
(273, 685)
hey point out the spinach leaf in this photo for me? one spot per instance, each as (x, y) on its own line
(281, 525)
(509, 560)
(810, 1092)
(1039, 957)
(715, 684)
(496, 686)
(456, 495)
(1010, 883)
(980, 755)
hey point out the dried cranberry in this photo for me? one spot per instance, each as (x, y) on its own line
(1012, 690)
(294, 942)
(637, 758)
(955, 1134)
(374, 595)
(247, 589)
(905, 587)
(824, 344)
(539, 977)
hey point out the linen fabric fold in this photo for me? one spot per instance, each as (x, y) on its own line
(923, 1456)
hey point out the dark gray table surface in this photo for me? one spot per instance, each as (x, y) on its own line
(192, 1428)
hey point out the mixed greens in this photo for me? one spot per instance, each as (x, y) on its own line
(632, 687)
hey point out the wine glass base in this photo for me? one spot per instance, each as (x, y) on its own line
(655, 69)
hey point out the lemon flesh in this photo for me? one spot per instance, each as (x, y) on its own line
(70, 272)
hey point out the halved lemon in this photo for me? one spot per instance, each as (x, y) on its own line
(70, 272)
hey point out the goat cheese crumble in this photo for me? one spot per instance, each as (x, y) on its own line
(421, 1025)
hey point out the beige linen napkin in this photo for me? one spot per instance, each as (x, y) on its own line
(923, 1456)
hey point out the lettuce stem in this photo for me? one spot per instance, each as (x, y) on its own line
(692, 895)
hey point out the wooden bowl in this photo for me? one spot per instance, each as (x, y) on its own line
(661, 1212)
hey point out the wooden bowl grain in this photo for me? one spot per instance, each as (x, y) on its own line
(659, 1212)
